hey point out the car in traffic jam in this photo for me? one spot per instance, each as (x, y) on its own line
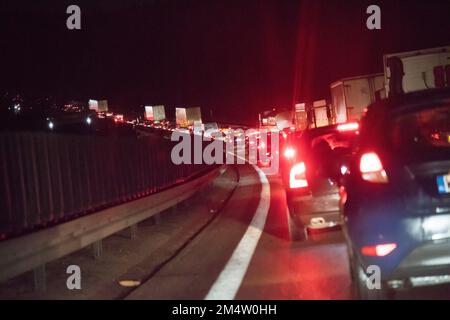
(395, 196)
(310, 167)
(386, 182)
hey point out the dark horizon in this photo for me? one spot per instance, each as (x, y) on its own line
(234, 58)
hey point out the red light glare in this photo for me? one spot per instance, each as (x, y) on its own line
(379, 250)
(297, 177)
(370, 162)
(351, 126)
(372, 169)
(289, 153)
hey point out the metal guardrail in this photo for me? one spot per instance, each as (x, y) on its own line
(34, 250)
(50, 178)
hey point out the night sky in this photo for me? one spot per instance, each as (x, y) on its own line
(234, 57)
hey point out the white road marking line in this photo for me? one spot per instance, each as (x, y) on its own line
(230, 279)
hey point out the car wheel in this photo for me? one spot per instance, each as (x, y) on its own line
(296, 232)
(360, 288)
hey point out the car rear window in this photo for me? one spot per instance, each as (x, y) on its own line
(422, 129)
(335, 140)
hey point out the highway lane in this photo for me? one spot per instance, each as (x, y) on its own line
(313, 269)
(281, 269)
(184, 255)
(278, 268)
(191, 274)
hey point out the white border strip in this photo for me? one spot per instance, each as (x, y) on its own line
(230, 279)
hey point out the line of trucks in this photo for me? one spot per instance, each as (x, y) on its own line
(403, 72)
(184, 117)
(189, 118)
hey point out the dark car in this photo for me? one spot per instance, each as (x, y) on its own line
(395, 200)
(311, 165)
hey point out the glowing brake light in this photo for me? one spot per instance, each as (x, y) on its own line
(372, 169)
(289, 153)
(297, 176)
(379, 250)
(351, 126)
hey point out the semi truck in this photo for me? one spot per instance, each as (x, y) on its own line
(300, 116)
(321, 113)
(351, 96)
(416, 70)
(186, 117)
(99, 106)
(155, 113)
(276, 120)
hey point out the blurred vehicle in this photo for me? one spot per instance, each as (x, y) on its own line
(118, 118)
(48, 119)
(64, 119)
(320, 114)
(310, 168)
(185, 117)
(395, 198)
(211, 127)
(417, 70)
(300, 117)
(155, 113)
(99, 106)
(276, 119)
(351, 96)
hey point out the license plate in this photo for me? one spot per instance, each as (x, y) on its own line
(436, 227)
(443, 183)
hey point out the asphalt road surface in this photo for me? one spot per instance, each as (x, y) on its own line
(230, 241)
(228, 260)
(246, 253)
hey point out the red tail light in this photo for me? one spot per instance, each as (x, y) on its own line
(379, 250)
(351, 126)
(297, 176)
(289, 153)
(372, 169)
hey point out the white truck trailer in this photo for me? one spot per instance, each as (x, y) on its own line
(417, 70)
(155, 113)
(351, 96)
(186, 117)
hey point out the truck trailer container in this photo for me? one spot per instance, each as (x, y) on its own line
(185, 117)
(351, 96)
(155, 113)
(417, 70)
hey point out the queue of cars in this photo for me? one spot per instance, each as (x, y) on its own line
(386, 181)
